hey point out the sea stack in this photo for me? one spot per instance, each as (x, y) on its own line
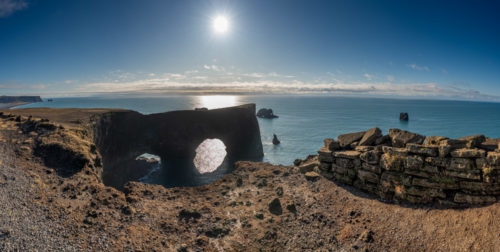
(266, 113)
(403, 116)
(276, 141)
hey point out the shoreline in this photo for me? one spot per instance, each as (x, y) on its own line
(13, 105)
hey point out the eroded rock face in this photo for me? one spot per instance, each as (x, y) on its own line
(123, 135)
(345, 140)
(266, 113)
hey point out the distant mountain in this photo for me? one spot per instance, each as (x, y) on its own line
(14, 99)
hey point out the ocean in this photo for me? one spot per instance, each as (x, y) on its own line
(304, 121)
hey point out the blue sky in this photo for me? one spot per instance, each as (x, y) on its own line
(432, 49)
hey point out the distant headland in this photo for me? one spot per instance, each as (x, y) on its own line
(12, 101)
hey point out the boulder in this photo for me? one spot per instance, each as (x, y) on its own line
(266, 113)
(474, 141)
(425, 150)
(490, 144)
(311, 176)
(401, 137)
(325, 155)
(434, 140)
(367, 176)
(201, 109)
(403, 116)
(345, 140)
(275, 207)
(370, 137)
(331, 144)
(347, 154)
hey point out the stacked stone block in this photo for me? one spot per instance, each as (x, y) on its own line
(408, 167)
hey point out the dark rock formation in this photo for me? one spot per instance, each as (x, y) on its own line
(266, 113)
(275, 207)
(14, 99)
(276, 141)
(370, 137)
(346, 140)
(403, 116)
(201, 109)
(174, 136)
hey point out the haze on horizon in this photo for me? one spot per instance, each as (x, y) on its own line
(423, 49)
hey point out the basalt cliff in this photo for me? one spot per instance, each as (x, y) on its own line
(54, 194)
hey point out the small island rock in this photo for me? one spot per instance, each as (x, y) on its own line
(403, 116)
(266, 113)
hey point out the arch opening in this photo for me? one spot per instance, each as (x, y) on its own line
(210, 155)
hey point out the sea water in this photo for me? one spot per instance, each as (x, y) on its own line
(304, 121)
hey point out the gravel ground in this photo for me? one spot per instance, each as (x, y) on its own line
(25, 226)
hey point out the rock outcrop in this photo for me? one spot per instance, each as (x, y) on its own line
(266, 113)
(445, 171)
(403, 116)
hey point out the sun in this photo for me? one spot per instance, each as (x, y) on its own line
(221, 24)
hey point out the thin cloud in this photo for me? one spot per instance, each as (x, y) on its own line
(368, 76)
(444, 71)
(419, 68)
(8, 7)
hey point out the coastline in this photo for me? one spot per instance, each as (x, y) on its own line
(13, 105)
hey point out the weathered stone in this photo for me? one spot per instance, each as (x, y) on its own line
(393, 178)
(383, 140)
(472, 199)
(367, 186)
(493, 158)
(372, 168)
(307, 167)
(432, 193)
(325, 155)
(464, 175)
(461, 164)
(448, 145)
(425, 183)
(480, 187)
(481, 162)
(392, 162)
(346, 154)
(430, 169)
(325, 166)
(311, 176)
(395, 151)
(327, 174)
(438, 161)
(468, 153)
(371, 157)
(426, 150)
(353, 145)
(490, 144)
(418, 200)
(344, 179)
(402, 137)
(413, 162)
(370, 136)
(340, 169)
(364, 148)
(331, 144)
(368, 176)
(346, 140)
(417, 173)
(474, 141)
(344, 163)
(434, 140)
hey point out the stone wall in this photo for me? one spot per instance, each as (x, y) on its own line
(408, 167)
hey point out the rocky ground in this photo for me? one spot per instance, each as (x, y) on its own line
(259, 207)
